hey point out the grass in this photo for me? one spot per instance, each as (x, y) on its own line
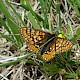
(62, 17)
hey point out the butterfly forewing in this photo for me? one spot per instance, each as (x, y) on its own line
(62, 45)
(33, 36)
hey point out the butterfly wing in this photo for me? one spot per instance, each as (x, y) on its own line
(62, 45)
(34, 37)
(58, 46)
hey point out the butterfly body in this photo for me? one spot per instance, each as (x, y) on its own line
(50, 43)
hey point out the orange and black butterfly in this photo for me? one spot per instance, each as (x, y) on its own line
(51, 43)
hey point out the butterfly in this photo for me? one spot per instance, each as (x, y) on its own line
(51, 44)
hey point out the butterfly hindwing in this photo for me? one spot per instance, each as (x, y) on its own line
(58, 46)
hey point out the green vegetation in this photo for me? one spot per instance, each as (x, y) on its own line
(62, 17)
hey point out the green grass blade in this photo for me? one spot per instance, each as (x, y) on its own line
(77, 35)
(59, 18)
(76, 6)
(49, 6)
(4, 10)
(31, 10)
(17, 15)
(4, 25)
(78, 3)
(8, 38)
(31, 18)
(15, 30)
(36, 15)
(12, 25)
(17, 60)
(28, 7)
(43, 5)
(76, 9)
